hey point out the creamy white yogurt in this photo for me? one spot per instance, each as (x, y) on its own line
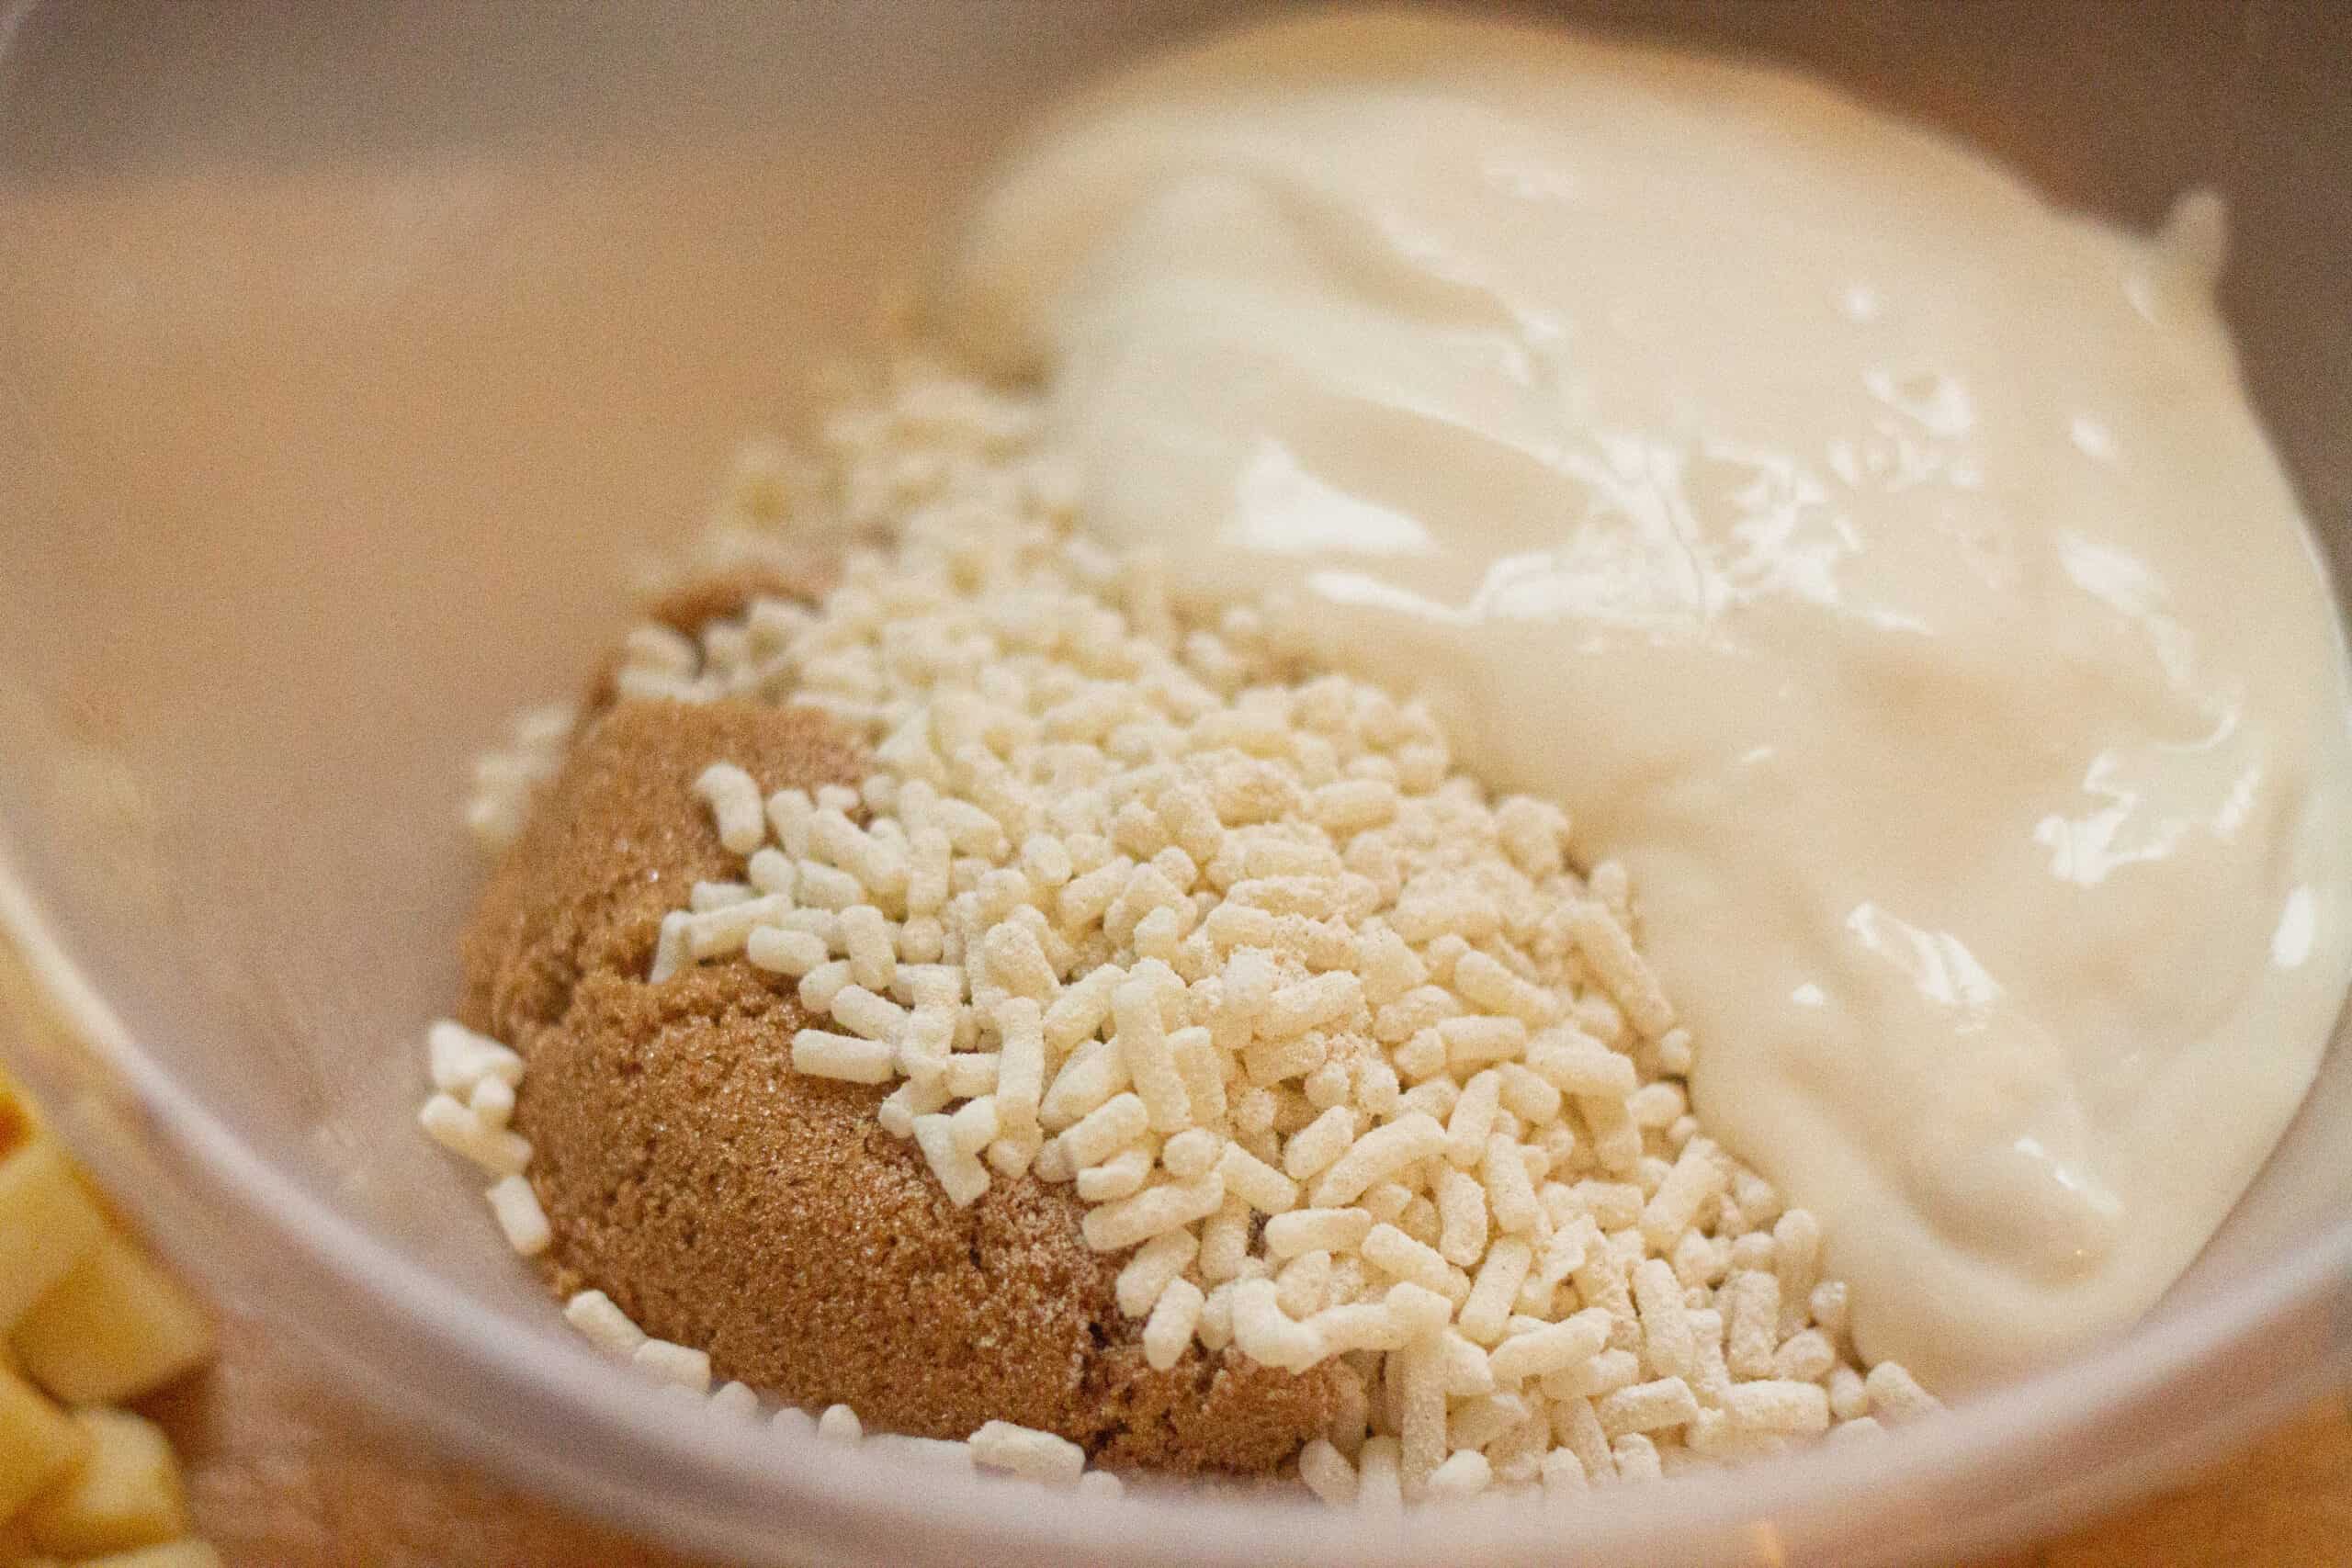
(1886, 566)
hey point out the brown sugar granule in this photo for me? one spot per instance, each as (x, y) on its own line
(726, 1202)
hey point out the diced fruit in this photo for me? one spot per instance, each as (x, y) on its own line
(47, 1226)
(178, 1554)
(38, 1442)
(17, 1126)
(15, 1546)
(125, 1493)
(115, 1328)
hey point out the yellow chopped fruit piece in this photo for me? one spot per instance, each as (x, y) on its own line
(47, 1226)
(20, 1123)
(39, 1442)
(115, 1328)
(17, 1547)
(18, 1127)
(124, 1493)
(178, 1554)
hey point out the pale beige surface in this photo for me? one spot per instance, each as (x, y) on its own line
(285, 1477)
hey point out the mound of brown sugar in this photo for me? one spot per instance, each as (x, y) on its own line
(726, 1202)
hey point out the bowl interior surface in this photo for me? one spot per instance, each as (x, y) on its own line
(351, 356)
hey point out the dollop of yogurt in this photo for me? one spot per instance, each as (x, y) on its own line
(1886, 566)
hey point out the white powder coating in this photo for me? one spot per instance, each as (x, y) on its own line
(459, 1128)
(677, 1364)
(602, 1323)
(1151, 908)
(520, 1218)
(462, 1060)
(1886, 567)
(1028, 1454)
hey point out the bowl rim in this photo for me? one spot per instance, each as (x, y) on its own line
(539, 1409)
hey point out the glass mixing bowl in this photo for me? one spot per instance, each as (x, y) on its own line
(347, 355)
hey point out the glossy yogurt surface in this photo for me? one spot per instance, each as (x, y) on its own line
(1886, 566)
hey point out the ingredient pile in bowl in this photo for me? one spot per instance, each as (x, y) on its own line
(1506, 763)
(986, 1000)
